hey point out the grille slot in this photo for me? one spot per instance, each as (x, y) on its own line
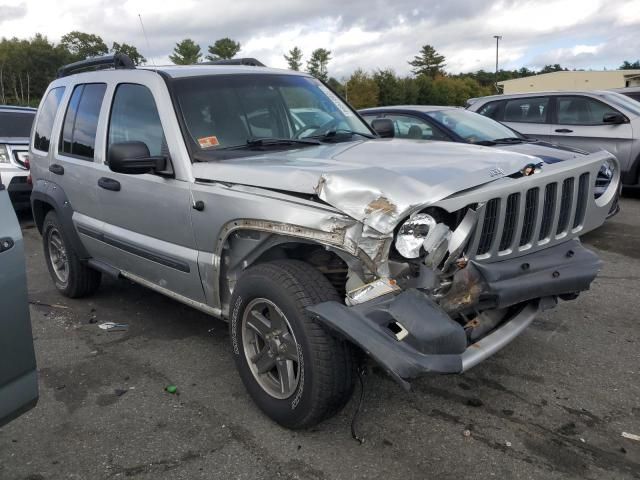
(565, 205)
(581, 203)
(489, 226)
(548, 210)
(530, 214)
(510, 221)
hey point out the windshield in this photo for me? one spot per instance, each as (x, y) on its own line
(16, 124)
(232, 111)
(472, 127)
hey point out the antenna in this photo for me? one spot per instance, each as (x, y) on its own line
(144, 32)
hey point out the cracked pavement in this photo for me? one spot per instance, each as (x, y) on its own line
(552, 404)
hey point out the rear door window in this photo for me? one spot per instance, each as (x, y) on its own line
(581, 111)
(527, 110)
(81, 121)
(47, 115)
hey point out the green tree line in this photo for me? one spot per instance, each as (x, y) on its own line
(28, 66)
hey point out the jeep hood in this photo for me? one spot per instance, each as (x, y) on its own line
(378, 182)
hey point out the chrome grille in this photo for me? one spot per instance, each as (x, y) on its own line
(517, 221)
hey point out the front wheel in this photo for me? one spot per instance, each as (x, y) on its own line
(294, 370)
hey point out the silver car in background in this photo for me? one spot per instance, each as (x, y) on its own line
(15, 128)
(589, 120)
(631, 92)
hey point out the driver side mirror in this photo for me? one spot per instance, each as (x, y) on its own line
(383, 127)
(134, 158)
(614, 118)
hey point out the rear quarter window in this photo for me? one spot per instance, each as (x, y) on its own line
(42, 137)
(493, 110)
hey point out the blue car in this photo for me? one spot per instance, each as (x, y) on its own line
(453, 124)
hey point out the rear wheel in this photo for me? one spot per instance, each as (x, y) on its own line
(72, 277)
(294, 370)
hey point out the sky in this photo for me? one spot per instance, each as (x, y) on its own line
(371, 34)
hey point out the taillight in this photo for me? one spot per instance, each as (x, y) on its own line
(29, 180)
(26, 162)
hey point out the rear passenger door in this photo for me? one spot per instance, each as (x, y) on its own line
(147, 232)
(578, 123)
(529, 116)
(73, 164)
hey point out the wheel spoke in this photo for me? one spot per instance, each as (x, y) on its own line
(286, 374)
(277, 322)
(259, 323)
(263, 361)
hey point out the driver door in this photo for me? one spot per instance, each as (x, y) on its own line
(18, 379)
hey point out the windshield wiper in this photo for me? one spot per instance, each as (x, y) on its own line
(267, 142)
(339, 131)
(485, 143)
(508, 140)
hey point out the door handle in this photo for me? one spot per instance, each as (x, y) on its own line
(564, 130)
(109, 184)
(57, 169)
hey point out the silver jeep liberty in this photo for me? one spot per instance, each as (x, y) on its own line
(260, 197)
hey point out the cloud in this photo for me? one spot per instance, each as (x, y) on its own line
(360, 33)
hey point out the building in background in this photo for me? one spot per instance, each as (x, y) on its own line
(573, 80)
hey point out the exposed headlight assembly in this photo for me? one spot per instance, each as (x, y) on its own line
(4, 154)
(422, 232)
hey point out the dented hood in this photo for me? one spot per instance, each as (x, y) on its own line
(377, 181)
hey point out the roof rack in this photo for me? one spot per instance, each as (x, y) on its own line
(118, 60)
(236, 61)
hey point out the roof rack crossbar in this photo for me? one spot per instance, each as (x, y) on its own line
(118, 60)
(235, 61)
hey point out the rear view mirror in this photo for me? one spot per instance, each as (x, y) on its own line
(134, 158)
(383, 127)
(614, 118)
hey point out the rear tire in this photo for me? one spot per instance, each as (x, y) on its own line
(267, 321)
(70, 275)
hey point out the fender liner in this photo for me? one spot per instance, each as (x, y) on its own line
(50, 193)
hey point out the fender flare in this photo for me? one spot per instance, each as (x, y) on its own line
(47, 195)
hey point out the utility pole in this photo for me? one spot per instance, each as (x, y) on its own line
(498, 38)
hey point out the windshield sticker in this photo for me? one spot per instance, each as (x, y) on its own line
(207, 142)
(336, 101)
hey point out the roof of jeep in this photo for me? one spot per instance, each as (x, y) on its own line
(181, 71)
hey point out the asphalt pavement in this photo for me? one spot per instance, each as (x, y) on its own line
(551, 405)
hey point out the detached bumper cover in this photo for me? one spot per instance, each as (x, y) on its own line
(437, 344)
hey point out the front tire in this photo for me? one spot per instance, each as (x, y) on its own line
(294, 370)
(70, 275)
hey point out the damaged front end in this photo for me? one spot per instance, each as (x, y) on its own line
(467, 275)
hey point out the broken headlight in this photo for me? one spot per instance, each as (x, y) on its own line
(422, 232)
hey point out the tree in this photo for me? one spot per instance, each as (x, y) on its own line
(186, 52)
(627, 65)
(428, 62)
(317, 64)
(83, 45)
(361, 90)
(224, 48)
(389, 90)
(552, 68)
(294, 59)
(130, 51)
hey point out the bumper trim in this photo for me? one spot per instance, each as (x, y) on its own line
(499, 338)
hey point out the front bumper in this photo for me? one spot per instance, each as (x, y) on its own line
(433, 342)
(15, 179)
